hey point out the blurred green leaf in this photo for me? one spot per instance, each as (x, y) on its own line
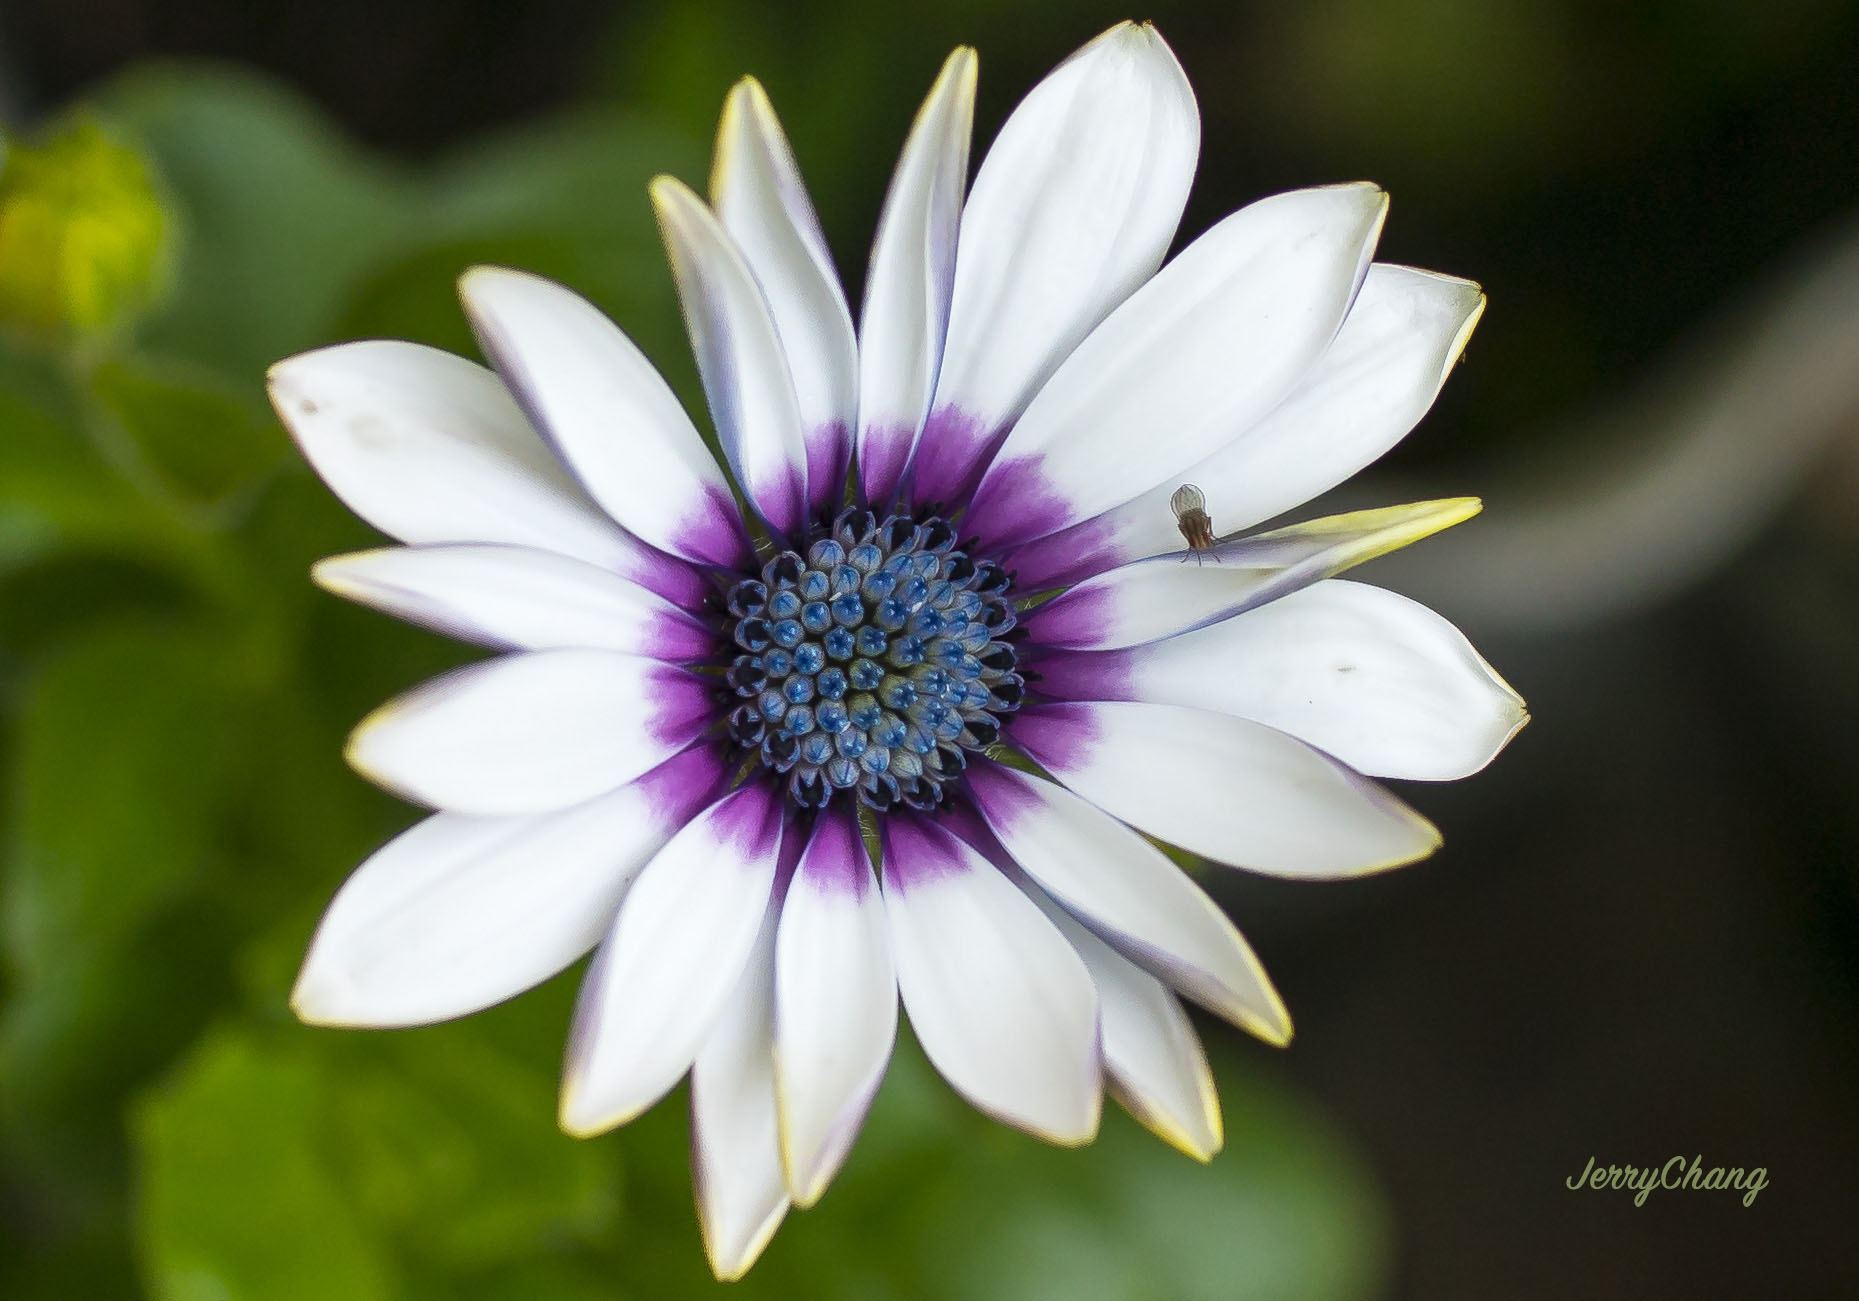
(237, 1200)
(281, 214)
(453, 1151)
(205, 440)
(940, 1204)
(81, 234)
(54, 486)
(125, 754)
(440, 1150)
(565, 199)
(124, 749)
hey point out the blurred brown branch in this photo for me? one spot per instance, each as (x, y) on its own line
(1651, 494)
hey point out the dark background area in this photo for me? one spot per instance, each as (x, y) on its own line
(1641, 938)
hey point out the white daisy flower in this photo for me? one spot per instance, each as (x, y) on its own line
(669, 763)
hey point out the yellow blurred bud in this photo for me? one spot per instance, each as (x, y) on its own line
(81, 235)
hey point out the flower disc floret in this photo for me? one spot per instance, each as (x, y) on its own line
(872, 663)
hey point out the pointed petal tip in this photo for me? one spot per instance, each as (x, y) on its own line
(1272, 1026)
(1071, 1137)
(1432, 841)
(1076, 1131)
(1363, 203)
(804, 1194)
(677, 208)
(1277, 1035)
(747, 114)
(1414, 521)
(481, 274)
(353, 748)
(748, 91)
(958, 77)
(334, 573)
(1427, 843)
(317, 1001)
(323, 575)
(356, 750)
(1455, 351)
(733, 1266)
(484, 280)
(479, 282)
(288, 384)
(577, 1118)
(805, 1188)
(664, 188)
(1201, 1147)
(1132, 36)
(304, 1000)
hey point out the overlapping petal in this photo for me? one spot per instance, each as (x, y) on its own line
(1369, 676)
(1002, 1005)
(1148, 600)
(530, 732)
(1373, 383)
(735, 1157)
(740, 357)
(757, 192)
(1209, 345)
(1227, 788)
(516, 598)
(906, 313)
(1130, 893)
(671, 962)
(835, 1004)
(609, 414)
(460, 912)
(1073, 208)
(1153, 1060)
(377, 416)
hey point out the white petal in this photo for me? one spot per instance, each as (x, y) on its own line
(530, 732)
(1002, 1005)
(735, 1155)
(758, 194)
(1130, 892)
(593, 394)
(1379, 681)
(835, 1005)
(516, 598)
(429, 447)
(1154, 1060)
(461, 912)
(1152, 1055)
(1227, 788)
(1217, 339)
(674, 956)
(906, 311)
(1147, 600)
(1073, 208)
(739, 356)
(1372, 385)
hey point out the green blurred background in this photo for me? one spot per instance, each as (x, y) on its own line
(1641, 938)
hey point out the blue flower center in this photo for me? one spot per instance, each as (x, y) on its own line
(872, 664)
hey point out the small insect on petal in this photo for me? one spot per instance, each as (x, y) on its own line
(1191, 517)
